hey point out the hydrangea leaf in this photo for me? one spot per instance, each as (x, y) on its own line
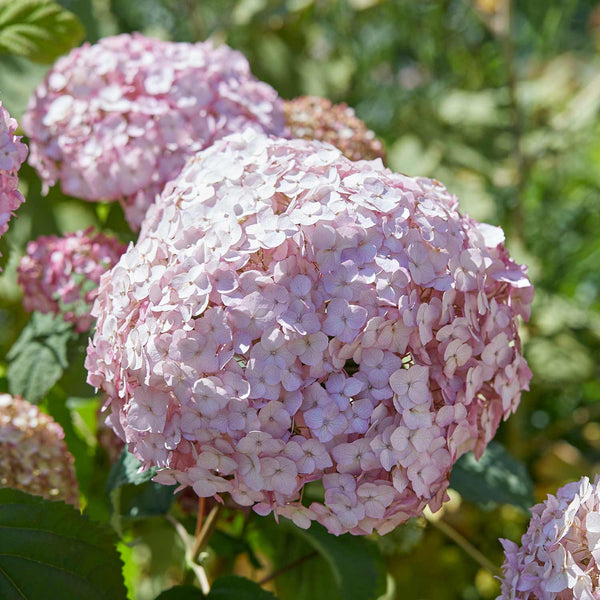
(357, 566)
(327, 567)
(496, 478)
(126, 470)
(231, 587)
(133, 494)
(49, 550)
(40, 30)
(39, 357)
(181, 592)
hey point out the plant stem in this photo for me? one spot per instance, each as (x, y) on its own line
(201, 513)
(287, 568)
(201, 540)
(461, 541)
(195, 545)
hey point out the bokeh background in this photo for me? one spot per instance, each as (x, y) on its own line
(500, 101)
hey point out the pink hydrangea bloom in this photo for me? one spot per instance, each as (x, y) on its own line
(61, 274)
(12, 154)
(559, 556)
(33, 456)
(288, 315)
(118, 119)
(314, 118)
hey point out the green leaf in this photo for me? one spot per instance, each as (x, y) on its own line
(357, 566)
(82, 453)
(49, 550)
(125, 471)
(39, 357)
(181, 592)
(229, 547)
(231, 587)
(40, 30)
(497, 478)
(133, 494)
(317, 565)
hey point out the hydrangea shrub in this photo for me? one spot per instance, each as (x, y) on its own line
(12, 154)
(33, 455)
(290, 316)
(116, 120)
(559, 555)
(314, 118)
(60, 275)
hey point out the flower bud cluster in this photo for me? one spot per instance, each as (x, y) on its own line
(314, 118)
(33, 456)
(118, 119)
(61, 274)
(289, 316)
(559, 556)
(12, 154)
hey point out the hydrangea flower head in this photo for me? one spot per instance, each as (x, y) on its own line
(33, 456)
(61, 274)
(314, 118)
(116, 120)
(288, 315)
(559, 556)
(12, 154)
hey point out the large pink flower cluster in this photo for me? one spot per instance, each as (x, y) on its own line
(559, 556)
(289, 315)
(12, 154)
(61, 274)
(33, 456)
(118, 119)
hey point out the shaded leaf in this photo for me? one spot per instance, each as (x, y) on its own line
(39, 357)
(231, 587)
(181, 592)
(126, 470)
(82, 453)
(496, 478)
(133, 494)
(40, 30)
(317, 565)
(230, 547)
(49, 550)
(357, 566)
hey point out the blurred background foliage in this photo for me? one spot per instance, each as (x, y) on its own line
(502, 104)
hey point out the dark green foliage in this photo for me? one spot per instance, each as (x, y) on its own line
(126, 470)
(181, 592)
(133, 494)
(49, 550)
(231, 587)
(497, 478)
(325, 567)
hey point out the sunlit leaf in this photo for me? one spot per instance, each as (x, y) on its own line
(40, 30)
(38, 358)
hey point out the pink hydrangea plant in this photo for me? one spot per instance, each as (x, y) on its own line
(559, 555)
(61, 274)
(116, 120)
(12, 154)
(289, 316)
(33, 455)
(314, 118)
